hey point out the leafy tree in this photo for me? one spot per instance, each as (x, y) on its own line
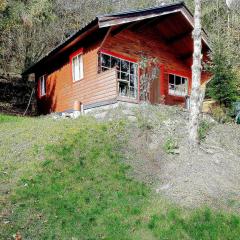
(26, 33)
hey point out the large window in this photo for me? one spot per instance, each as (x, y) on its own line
(127, 73)
(77, 67)
(43, 87)
(178, 86)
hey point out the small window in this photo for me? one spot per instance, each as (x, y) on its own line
(178, 86)
(43, 87)
(77, 67)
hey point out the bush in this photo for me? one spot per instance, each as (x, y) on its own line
(203, 129)
(220, 114)
(170, 146)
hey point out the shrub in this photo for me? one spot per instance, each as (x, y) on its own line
(170, 146)
(220, 114)
(203, 129)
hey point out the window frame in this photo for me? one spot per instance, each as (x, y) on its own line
(121, 58)
(42, 79)
(182, 77)
(74, 55)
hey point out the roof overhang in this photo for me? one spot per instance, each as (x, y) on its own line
(68, 43)
(134, 16)
(110, 20)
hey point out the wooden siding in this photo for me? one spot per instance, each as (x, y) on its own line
(134, 44)
(62, 91)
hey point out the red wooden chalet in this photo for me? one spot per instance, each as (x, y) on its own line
(99, 64)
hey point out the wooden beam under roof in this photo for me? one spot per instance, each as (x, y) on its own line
(105, 37)
(122, 27)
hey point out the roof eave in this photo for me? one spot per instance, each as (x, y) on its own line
(93, 25)
(126, 17)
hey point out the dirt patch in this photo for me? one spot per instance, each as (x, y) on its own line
(158, 152)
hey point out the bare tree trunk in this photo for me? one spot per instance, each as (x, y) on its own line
(233, 4)
(195, 99)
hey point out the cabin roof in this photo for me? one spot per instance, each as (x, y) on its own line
(162, 6)
(115, 19)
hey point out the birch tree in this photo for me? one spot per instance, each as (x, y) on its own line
(196, 78)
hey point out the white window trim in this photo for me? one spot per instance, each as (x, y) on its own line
(177, 95)
(43, 86)
(81, 68)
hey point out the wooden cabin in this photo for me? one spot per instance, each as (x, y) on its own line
(100, 64)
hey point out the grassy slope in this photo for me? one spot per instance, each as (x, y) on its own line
(67, 180)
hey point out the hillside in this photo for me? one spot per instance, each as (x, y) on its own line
(125, 175)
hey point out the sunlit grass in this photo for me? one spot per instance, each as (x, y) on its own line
(7, 118)
(73, 184)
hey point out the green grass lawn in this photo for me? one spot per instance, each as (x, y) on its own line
(66, 179)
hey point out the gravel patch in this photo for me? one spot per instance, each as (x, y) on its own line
(210, 176)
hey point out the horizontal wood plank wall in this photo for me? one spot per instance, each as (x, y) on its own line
(134, 44)
(94, 87)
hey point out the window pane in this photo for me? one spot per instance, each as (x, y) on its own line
(45, 85)
(125, 66)
(177, 85)
(81, 66)
(184, 81)
(115, 63)
(171, 79)
(106, 61)
(178, 80)
(76, 69)
(124, 76)
(133, 68)
(42, 88)
(133, 80)
(123, 89)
